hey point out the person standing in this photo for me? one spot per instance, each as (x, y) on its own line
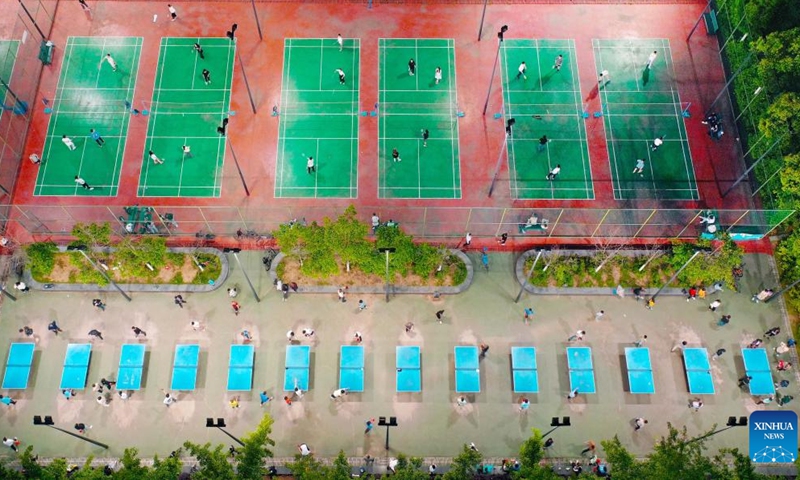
(362, 305)
(35, 159)
(599, 315)
(94, 135)
(81, 427)
(524, 404)
(396, 155)
(98, 304)
(370, 425)
(542, 143)
(11, 443)
(558, 63)
(715, 305)
(6, 400)
(206, 76)
(264, 398)
(22, 287)
(651, 59)
(578, 336)
(467, 239)
(290, 336)
(340, 72)
(68, 142)
(186, 151)
(425, 135)
(680, 346)
(53, 327)
(641, 341)
(340, 41)
(572, 394)
(718, 353)
(28, 331)
(310, 168)
(168, 399)
(172, 12)
(440, 316)
(179, 301)
(199, 50)
(154, 158)
(640, 422)
(308, 332)
(657, 142)
(96, 333)
(639, 168)
(111, 62)
(521, 71)
(590, 448)
(358, 338)
(412, 67)
(604, 78)
(340, 293)
(437, 75)
(554, 173)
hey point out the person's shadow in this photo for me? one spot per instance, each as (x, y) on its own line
(645, 76)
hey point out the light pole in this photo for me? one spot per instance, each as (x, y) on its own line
(509, 129)
(220, 423)
(235, 252)
(391, 423)
(555, 423)
(483, 16)
(81, 249)
(500, 34)
(732, 422)
(528, 277)
(387, 250)
(48, 422)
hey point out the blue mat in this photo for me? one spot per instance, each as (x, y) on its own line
(76, 366)
(698, 371)
(581, 369)
(756, 365)
(298, 360)
(468, 375)
(640, 370)
(18, 367)
(240, 368)
(184, 370)
(351, 368)
(523, 370)
(409, 373)
(131, 365)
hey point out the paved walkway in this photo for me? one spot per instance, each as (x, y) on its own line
(430, 424)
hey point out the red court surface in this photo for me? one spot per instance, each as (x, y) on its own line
(254, 137)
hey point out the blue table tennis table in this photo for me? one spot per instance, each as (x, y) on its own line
(18, 367)
(184, 367)
(468, 372)
(409, 369)
(640, 370)
(524, 370)
(76, 366)
(131, 364)
(698, 371)
(756, 365)
(240, 368)
(581, 369)
(351, 368)
(298, 359)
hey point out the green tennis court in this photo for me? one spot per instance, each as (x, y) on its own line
(8, 56)
(186, 110)
(545, 102)
(319, 119)
(407, 105)
(90, 95)
(640, 104)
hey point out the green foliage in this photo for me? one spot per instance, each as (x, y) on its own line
(780, 119)
(41, 259)
(307, 468)
(86, 273)
(787, 255)
(341, 468)
(166, 469)
(213, 462)
(132, 468)
(767, 16)
(133, 255)
(531, 452)
(706, 268)
(212, 271)
(250, 461)
(779, 63)
(409, 469)
(92, 235)
(464, 465)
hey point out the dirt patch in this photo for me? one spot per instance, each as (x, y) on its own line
(64, 271)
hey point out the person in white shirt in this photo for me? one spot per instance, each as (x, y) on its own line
(304, 450)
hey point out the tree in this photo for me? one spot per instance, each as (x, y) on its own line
(409, 469)
(132, 468)
(250, 461)
(341, 468)
(531, 453)
(781, 119)
(779, 64)
(767, 16)
(213, 464)
(625, 465)
(308, 468)
(167, 469)
(464, 465)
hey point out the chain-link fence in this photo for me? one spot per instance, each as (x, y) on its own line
(575, 224)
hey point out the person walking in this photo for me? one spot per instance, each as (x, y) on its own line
(179, 301)
(440, 315)
(437, 75)
(599, 315)
(370, 425)
(53, 327)
(718, 353)
(172, 12)
(196, 325)
(639, 168)
(206, 76)
(572, 394)
(264, 398)
(558, 63)
(94, 135)
(81, 428)
(542, 143)
(726, 319)
(68, 142)
(111, 62)
(696, 403)
(527, 314)
(138, 331)
(554, 172)
(358, 338)
(340, 72)
(310, 165)
(11, 443)
(287, 400)
(657, 142)
(98, 304)
(340, 41)
(590, 448)
(186, 152)
(154, 158)
(681, 346)
(745, 381)
(521, 71)
(82, 182)
(425, 135)
(236, 307)
(338, 393)
(578, 336)
(715, 305)
(22, 287)
(6, 400)
(396, 155)
(234, 402)
(467, 239)
(290, 336)
(96, 333)
(362, 305)
(603, 78)
(524, 404)
(651, 58)
(168, 399)
(640, 422)
(197, 48)
(640, 342)
(341, 294)
(412, 67)
(28, 331)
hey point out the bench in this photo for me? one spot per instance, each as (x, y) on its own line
(46, 52)
(710, 19)
(539, 226)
